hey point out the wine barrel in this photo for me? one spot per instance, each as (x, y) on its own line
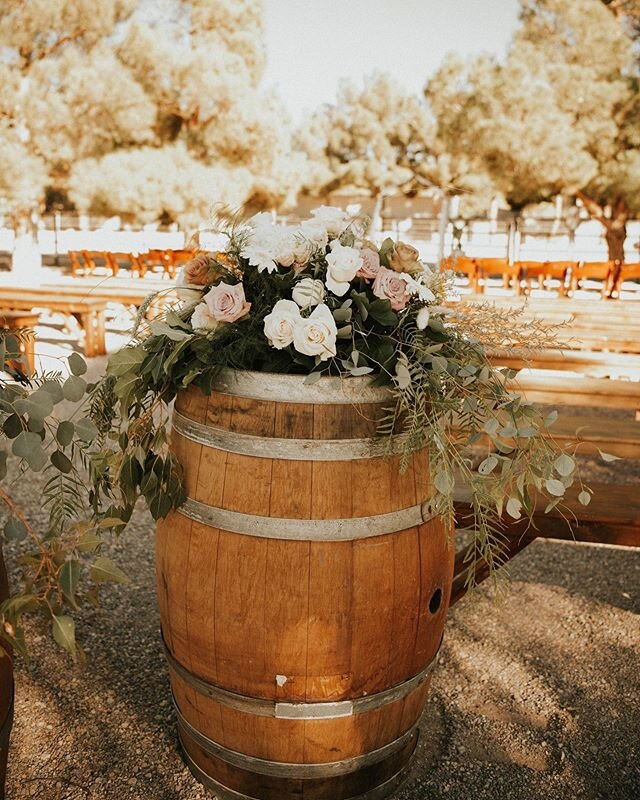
(303, 589)
(6, 688)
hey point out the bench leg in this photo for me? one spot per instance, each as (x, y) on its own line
(92, 323)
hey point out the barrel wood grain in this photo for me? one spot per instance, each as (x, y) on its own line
(299, 621)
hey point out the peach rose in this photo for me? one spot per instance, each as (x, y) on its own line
(389, 286)
(370, 264)
(405, 258)
(197, 272)
(226, 302)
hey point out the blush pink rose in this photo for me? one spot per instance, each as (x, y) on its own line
(370, 264)
(226, 302)
(388, 285)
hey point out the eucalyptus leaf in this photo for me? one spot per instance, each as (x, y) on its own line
(28, 445)
(564, 464)
(443, 482)
(61, 462)
(77, 364)
(555, 487)
(488, 465)
(65, 432)
(584, 498)
(608, 457)
(74, 388)
(514, 508)
(14, 529)
(86, 429)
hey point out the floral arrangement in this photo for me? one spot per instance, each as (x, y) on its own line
(316, 299)
(320, 299)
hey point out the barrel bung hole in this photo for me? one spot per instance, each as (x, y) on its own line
(436, 599)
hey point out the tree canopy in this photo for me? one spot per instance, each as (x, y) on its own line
(560, 114)
(100, 101)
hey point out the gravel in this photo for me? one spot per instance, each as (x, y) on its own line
(535, 697)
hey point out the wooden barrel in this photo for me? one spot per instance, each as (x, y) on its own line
(6, 688)
(303, 590)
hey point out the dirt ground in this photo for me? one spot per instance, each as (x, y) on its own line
(535, 697)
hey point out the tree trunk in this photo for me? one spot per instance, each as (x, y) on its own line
(615, 236)
(615, 223)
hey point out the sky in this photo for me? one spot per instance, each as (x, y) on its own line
(312, 44)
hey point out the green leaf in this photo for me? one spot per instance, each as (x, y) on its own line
(65, 432)
(61, 462)
(608, 457)
(403, 376)
(584, 498)
(551, 418)
(74, 388)
(160, 328)
(28, 446)
(69, 577)
(312, 377)
(491, 426)
(554, 487)
(514, 508)
(381, 312)
(129, 359)
(103, 569)
(3, 465)
(345, 332)
(86, 430)
(12, 426)
(564, 465)
(443, 482)
(54, 389)
(64, 633)
(77, 364)
(89, 542)
(38, 405)
(14, 529)
(488, 465)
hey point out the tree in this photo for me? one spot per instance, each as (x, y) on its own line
(378, 138)
(559, 115)
(110, 99)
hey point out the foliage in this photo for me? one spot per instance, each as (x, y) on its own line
(87, 94)
(560, 115)
(446, 394)
(381, 138)
(46, 425)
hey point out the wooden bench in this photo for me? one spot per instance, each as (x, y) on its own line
(13, 320)
(557, 389)
(595, 364)
(612, 517)
(90, 314)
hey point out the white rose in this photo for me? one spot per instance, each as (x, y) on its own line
(316, 335)
(280, 324)
(202, 319)
(342, 266)
(335, 220)
(308, 292)
(422, 318)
